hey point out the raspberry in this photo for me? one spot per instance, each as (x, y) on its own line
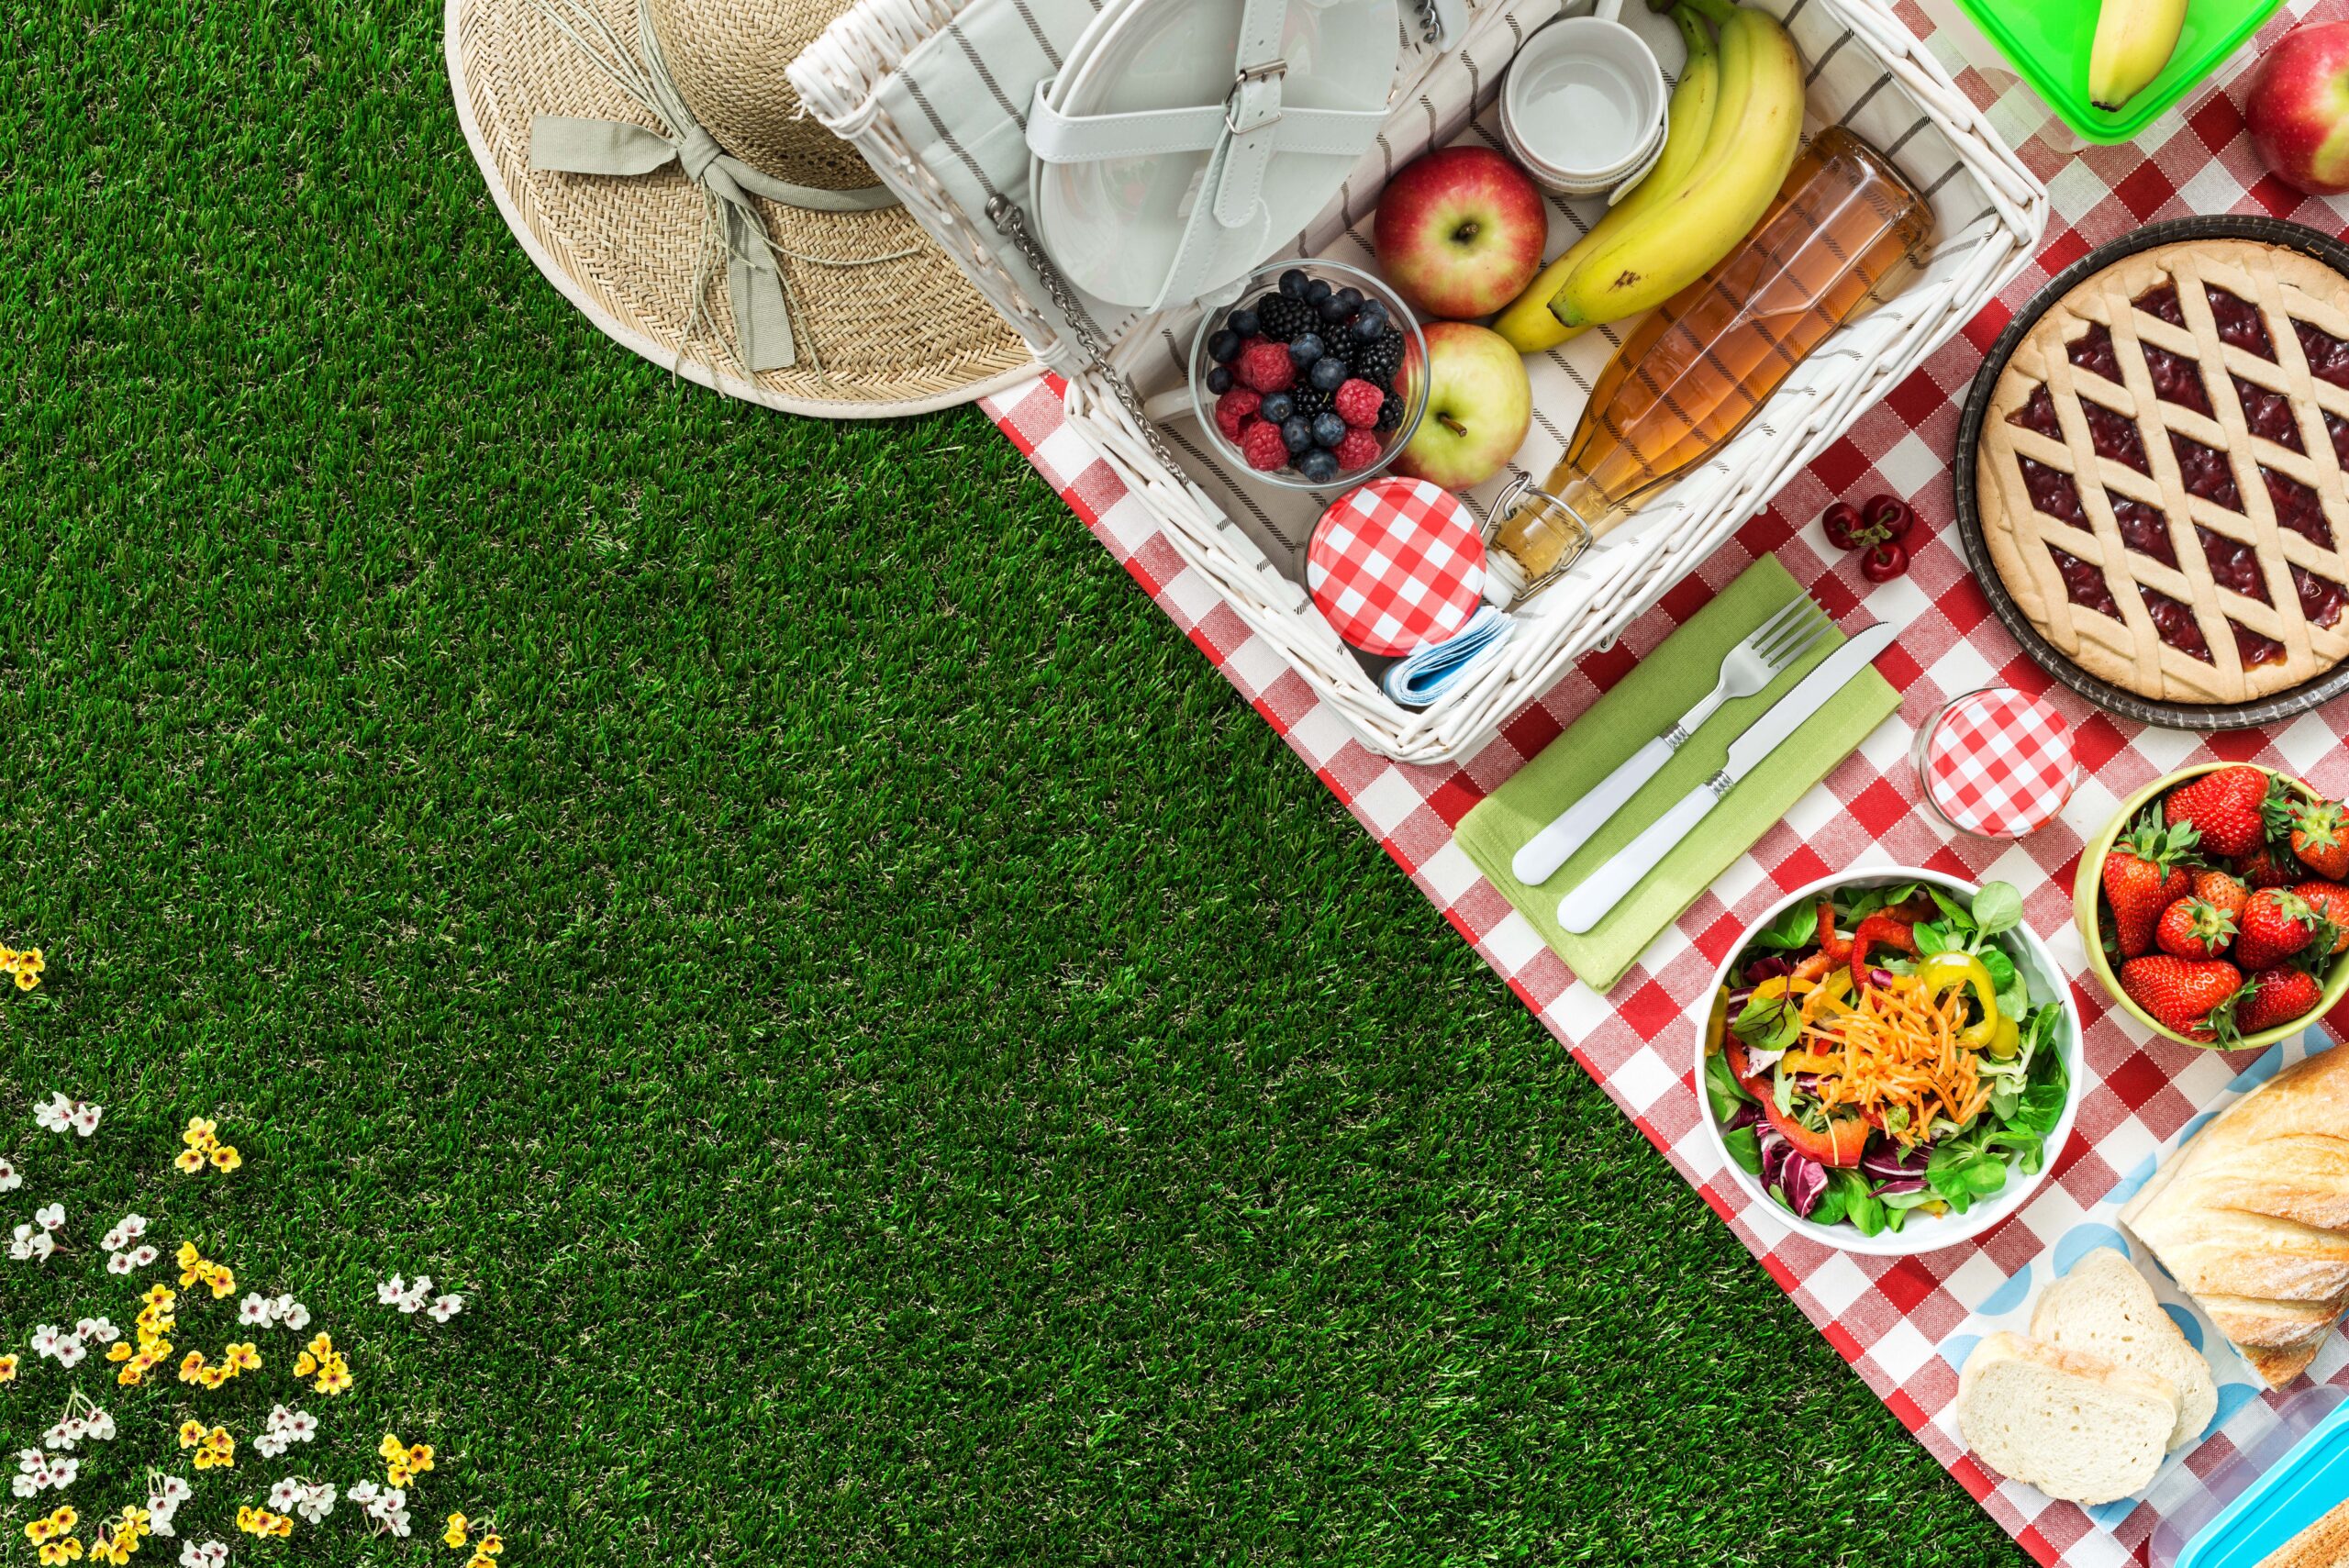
(1233, 408)
(1266, 368)
(1359, 450)
(1357, 403)
(1262, 445)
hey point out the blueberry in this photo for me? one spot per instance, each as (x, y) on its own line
(1329, 373)
(1327, 429)
(1296, 433)
(1277, 406)
(1317, 290)
(1243, 321)
(1334, 309)
(1219, 381)
(1368, 328)
(1305, 350)
(1293, 282)
(1318, 466)
(1223, 346)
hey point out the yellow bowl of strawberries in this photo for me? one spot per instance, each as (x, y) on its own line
(2215, 905)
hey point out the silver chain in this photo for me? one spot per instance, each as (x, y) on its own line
(1012, 223)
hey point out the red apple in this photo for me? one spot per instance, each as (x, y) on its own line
(1460, 232)
(2299, 112)
(1479, 408)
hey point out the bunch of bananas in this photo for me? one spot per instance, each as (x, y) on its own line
(1736, 124)
(2134, 38)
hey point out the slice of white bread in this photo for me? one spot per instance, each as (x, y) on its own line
(2077, 1427)
(2105, 1307)
(2324, 1544)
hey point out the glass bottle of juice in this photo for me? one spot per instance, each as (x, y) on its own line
(1840, 237)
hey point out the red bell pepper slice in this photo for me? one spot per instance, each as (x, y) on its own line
(1880, 927)
(1837, 949)
(1841, 1144)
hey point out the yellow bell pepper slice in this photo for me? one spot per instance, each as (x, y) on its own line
(1832, 995)
(1717, 1025)
(1943, 971)
(2006, 1039)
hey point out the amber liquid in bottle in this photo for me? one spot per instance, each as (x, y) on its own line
(1842, 237)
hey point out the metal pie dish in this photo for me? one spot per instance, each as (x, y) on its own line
(2102, 694)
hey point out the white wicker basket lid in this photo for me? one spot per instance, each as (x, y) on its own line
(1183, 140)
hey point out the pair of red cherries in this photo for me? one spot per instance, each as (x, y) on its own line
(1877, 527)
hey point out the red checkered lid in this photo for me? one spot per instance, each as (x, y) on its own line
(2000, 764)
(1396, 564)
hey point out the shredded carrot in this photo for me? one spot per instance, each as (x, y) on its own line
(1895, 1047)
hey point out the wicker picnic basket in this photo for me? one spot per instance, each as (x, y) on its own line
(931, 91)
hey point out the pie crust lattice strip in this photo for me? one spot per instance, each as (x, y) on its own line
(2161, 473)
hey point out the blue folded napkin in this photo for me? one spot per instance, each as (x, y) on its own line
(1421, 677)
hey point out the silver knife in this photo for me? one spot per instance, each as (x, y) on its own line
(1603, 889)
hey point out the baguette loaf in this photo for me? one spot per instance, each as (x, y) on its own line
(2075, 1426)
(2324, 1544)
(2252, 1216)
(2105, 1307)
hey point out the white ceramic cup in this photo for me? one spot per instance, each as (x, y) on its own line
(1584, 106)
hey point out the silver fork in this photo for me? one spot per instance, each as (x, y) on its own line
(1746, 670)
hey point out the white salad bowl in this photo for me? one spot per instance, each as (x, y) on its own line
(1921, 1232)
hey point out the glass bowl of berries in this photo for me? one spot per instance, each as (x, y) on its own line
(1316, 378)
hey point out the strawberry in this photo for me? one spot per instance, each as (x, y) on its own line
(2277, 996)
(2321, 838)
(2261, 868)
(2224, 808)
(2221, 890)
(2181, 994)
(2192, 928)
(2330, 900)
(2275, 924)
(2142, 878)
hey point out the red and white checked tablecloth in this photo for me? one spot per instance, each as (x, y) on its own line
(1886, 1317)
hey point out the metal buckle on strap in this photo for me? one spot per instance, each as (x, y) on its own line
(1247, 74)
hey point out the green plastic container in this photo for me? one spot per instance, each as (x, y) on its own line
(2047, 41)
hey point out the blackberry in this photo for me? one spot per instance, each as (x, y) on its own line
(1390, 412)
(1284, 319)
(1310, 401)
(1379, 361)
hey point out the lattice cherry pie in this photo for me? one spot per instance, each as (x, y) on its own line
(2161, 472)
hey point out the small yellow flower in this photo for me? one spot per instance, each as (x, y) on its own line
(491, 1543)
(397, 1472)
(199, 1133)
(26, 979)
(455, 1534)
(222, 1281)
(226, 1158)
(245, 1520)
(8, 957)
(38, 1530)
(8, 1368)
(161, 1297)
(321, 1345)
(119, 1351)
(30, 962)
(304, 1365)
(420, 1458)
(480, 1560)
(334, 1377)
(65, 1518)
(391, 1448)
(213, 1376)
(131, 1376)
(244, 1358)
(66, 1551)
(187, 1163)
(193, 1433)
(192, 1366)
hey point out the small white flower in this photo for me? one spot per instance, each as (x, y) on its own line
(255, 1308)
(285, 1493)
(22, 1485)
(101, 1424)
(398, 1521)
(293, 1426)
(56, 1115)
(101, 1329)
(172, 1491)
(85, 1118)
(158, 1520)
(365, 1494)
(143, 1256)
(62, 1471)
(269, 1446)
(318, 1501)
(10, 1177)
(447, 1307)
(389, 1291)
(203, 1554)
(45, 1339)
(50, 1217)
(128, 1228)
(118, 1263)
(70, 1351)
(291, 1313)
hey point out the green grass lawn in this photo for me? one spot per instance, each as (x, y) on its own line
(907, 1067)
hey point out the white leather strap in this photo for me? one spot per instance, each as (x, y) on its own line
(1258, 78)
(1057, 138)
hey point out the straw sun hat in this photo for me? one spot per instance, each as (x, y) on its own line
(720, 232)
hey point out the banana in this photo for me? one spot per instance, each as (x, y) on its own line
(1527, 323)
(2133, 41)
(1751, 145)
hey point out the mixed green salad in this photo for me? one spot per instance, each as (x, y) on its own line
(1901, 1067)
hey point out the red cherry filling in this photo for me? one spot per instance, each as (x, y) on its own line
(2093, 351)
(2336, 428)
(2321, 598)
(2269, 414)
(2328, 356)
(2052, 491)
(2160, 301)
(2177, 625)
(2176, 379)
(2115, 436)
(2253, 649)
(2239, 322)
(2038, 413)
(2235, 565)
(2144, 529)
(2297, 507)
(2084, 585)
(2205, 471)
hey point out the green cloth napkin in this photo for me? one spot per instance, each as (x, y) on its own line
(1659, 689)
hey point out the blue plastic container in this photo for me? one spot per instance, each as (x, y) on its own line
(2289, 1494)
